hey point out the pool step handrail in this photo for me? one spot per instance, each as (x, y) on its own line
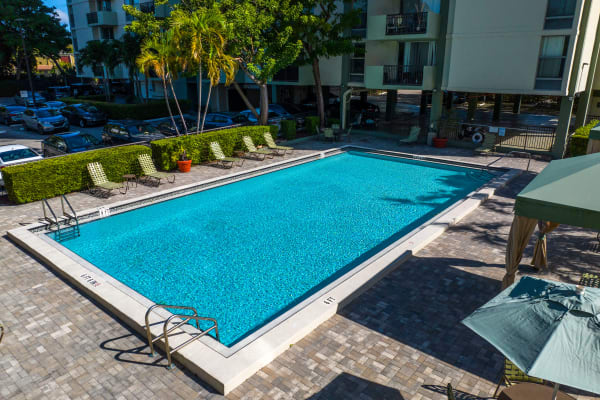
(68, 230)
(184, 319)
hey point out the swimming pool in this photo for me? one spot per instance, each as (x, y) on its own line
(246, 252)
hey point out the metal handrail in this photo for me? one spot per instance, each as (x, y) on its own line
(184, 319)
(46, 218)
(63, 200)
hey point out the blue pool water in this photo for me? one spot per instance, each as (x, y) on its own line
(246, 252)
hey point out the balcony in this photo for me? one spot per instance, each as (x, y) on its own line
(417, 77)
(411, 26)
(99, 18)
(147, 7)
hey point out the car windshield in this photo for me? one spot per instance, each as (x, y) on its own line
(84, 140)
(88, 108)
(142, 129)
(47, 113)
(18, 154)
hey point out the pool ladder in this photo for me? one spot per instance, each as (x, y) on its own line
(184, 319)
(68, 219)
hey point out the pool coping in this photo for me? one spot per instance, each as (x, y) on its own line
(223, 367)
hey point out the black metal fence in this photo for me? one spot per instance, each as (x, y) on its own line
(403, 75)
(92, 18)
(403, 24)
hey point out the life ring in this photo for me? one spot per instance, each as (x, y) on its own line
(477, 137)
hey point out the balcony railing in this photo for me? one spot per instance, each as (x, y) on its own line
(403, 75)
(147, 7)
(406, 24)
(92, 18)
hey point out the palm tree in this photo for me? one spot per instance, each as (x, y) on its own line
(130, 50)
(216, 62)
(103, 54)
(155, 56)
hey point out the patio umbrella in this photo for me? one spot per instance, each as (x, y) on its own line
(550, 330)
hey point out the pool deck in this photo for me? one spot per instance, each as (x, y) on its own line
(401, 339)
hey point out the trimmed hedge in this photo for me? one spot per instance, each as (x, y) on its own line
(165, 152)
(60, 175)
(312, 123)
(579, 139)
(154, 109)
(288, 129)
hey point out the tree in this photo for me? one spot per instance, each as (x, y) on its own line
(105, 54)
(263, 41)
(130, 44)
(322, 33)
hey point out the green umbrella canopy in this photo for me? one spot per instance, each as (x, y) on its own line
(566, 191)
(547, 329)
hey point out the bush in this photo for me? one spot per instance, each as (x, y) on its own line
(60, 175)
(579, 139)
(312, 123)
(288, 129)
(154, 109)
(165, 152)
(334, 121)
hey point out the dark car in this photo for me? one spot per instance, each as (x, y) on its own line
(84, 115)
(130, 132)
(72, 142)
(12, 114)
(220, 120)
(167, 129)
(356, 107)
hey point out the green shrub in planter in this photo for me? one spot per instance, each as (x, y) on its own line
(312, 123)
(288, 129)
(334, 121)
(60, 175)
(579, 140)
(166, 151)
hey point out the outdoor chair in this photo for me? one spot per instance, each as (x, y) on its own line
(259, 154)
(512, 374)
(413, 136)
(279, 150)
(346, 135)
(450, 392)
(100, 182)
(590, 280)
(225, 162)
(149, 171)
(488, 144)
(328, 134)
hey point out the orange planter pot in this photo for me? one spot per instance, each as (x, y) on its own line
(184, 166)
(440, 142)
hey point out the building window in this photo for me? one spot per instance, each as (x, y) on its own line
(129, 17)
(357, 63)
(104, 5)
(107, 33)
(551, 65)
(75, 44)
(360, 30)
(71, 17)
(559, 14)
(98, 70)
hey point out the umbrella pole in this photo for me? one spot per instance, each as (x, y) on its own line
(555, 392)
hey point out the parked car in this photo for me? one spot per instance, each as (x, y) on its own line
(72, 142)
(220, 120)
(356, 107)
(288, 111)
(45, 120)
(56, 92)
(84, 115)
(273, 118)
(22, 101)
(84, 89)
(11, 114)
(130, 132)
(167, 129)
(57, 105)
(15, 154)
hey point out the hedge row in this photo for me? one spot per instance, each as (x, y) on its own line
(579, 139)
(165, 152)
(288, 129)
(153, 109)
(54, 176)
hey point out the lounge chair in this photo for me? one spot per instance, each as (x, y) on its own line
(258, 153)
(149, 170)
(488, 144)
(346, 135)
(226, 162)
(413, 136)
(512, 374)
(450, 392)
(590, 280)
(100, 181)
(279, 150)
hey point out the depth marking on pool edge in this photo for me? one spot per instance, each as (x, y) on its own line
(90, 280)
(329, 300)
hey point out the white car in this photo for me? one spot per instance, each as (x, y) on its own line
(45, 120)
(15, 154)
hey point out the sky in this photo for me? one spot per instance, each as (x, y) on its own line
(61, 9)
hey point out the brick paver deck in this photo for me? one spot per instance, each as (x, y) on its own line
(399, 340)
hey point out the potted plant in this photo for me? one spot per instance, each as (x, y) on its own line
(184, 164)
(439, 140)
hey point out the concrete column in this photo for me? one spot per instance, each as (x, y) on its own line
(497, 107)
(562, 129)
(363, 96)
(437, 105)
(472, 101)
(423, 106)
(390, 104)
(449, 102)
(273, 94)
(517, 104)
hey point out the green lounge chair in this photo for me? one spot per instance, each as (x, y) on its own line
(328, 134)
(279, 150)
(100, 181)
(413, 136)
(258, 153)
(512, 374)
(226, 162)
(590, 280)
(488, 144)
(149, 170)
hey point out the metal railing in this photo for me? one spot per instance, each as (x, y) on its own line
(92, 18)
(403, 75)
(184, 319)
(403, 24)
(68, 230)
